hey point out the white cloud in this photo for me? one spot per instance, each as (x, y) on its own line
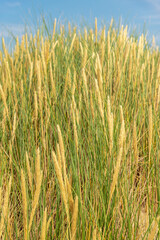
(13, 4)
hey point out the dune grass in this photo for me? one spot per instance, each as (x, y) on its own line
(80, 136)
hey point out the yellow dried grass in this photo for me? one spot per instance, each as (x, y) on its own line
(35, 199)
(150, 132)
(74, 219)
(24, 205)
(61, 185)
(62, 154)
(29, 172)
(44, 225)
(4, 213)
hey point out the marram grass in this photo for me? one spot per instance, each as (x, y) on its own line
(80, 136)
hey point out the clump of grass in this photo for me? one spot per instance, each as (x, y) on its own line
(79, 116)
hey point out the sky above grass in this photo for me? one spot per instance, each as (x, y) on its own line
(142, 15)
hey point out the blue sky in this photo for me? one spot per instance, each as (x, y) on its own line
(14, 14)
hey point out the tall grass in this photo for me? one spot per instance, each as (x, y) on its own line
(80, 136)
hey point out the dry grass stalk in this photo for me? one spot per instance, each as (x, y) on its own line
(24, 204)
(52, 80)
(22, 46)
(74, 37)
(74, 219)
(44, 223)
(44, 64)
(0, 198)
(122, 131)
(115, 177)
(110, 124)
(117, 166)
(94, 234)
(40, 92)
(69, 28)
(130, 67)
(22, 89)
(30, 76)
(10, 226)
(35, 106)
(85, 35)
(150, 132)
(52, 52)
(62, 154)
(85, 80)
(14, 128)
(68, 77)
(8, 72)
(15, 96)
(102, 53)
(4, 121)
(158, 98)
(99, 75)
(4, 48)
(35, 112)
(76, 111)
(17, 47)
(47, 50)
(70, 197)
(154, 229)
(95, 30)
(29, 172)
(59, 156)
(54, 28)
(75, 131)
(65, 86)
(108, 45)
(35, 199)
(135, 144)
(10, 153)
(91, 105)
(4, 101)
(81, 48)
(84, 60)
(103, 46)
(74, 83)
(143, 224)
(39, 83)
(48, 223)
(26, 42)
(4, 213)
(37, 166)
(100, 105)
(61, 185)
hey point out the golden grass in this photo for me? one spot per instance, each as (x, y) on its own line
(38, 181)
(74, 219)
(4, 100)
(44, 223)
(150, 131)
(110, 124)
(61, 184)
(154, 230)
(4, 214)
(24, 202)
(29, 173)
(79, 120)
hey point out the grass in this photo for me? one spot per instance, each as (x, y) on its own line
(80, 136)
